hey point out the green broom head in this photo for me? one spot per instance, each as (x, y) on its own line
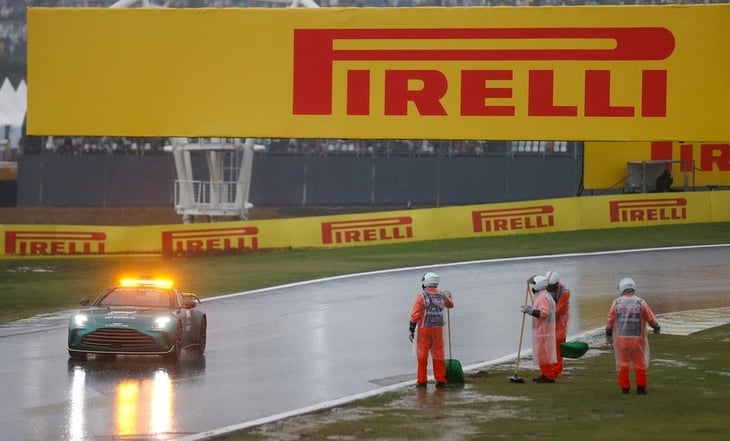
(454, 372)
(573, 349)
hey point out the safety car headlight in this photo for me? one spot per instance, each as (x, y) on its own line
(161, 322)
(81, 320)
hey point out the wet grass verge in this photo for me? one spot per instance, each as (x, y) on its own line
(688, 399)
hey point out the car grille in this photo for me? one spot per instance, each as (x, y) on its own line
(119, 339)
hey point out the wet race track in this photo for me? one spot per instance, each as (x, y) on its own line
(274, 351)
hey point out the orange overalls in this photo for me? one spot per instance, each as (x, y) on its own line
(428, 313)
(543, 334)
(562, 315)
(627, 320)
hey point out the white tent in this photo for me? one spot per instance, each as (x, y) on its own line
(22, 92)
(7, 103)
(13, 105)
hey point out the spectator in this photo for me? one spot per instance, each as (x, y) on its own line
(664, 181)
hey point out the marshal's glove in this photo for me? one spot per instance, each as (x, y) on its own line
(448, 294)
(527, 309)
(411, 331)
(531, 279)
(657, 329)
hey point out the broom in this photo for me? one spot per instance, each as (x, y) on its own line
(516, 378)
(573, 349)
(454, 371)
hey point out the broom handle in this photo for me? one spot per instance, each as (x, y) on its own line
(448, 324)
(522, 331)
(519, 346)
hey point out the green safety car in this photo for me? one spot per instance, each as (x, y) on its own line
(138, 317)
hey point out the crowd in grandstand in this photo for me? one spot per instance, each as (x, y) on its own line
(13, 26)
(81, 145)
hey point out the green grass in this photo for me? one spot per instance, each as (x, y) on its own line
(689, 399)
(42, 285)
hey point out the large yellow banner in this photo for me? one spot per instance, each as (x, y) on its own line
(570, 73)
(367, 229)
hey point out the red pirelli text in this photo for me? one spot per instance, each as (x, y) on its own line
(513, 219)
(210, 240)
(367, 230)
(41, 243)
(647, 210)
(703, 157)
(481, 92)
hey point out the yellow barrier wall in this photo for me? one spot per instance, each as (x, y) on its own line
(572, 73)
(604, 164)
(550, 215)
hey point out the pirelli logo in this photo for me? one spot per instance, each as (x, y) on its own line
(481, 90)
(384, 229)
(648, 210)
(42, 243)
(703, 157)
(210, 240)
(513, 219)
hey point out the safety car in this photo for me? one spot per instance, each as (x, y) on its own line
(138, 317)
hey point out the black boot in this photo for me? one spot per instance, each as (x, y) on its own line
(544, 379)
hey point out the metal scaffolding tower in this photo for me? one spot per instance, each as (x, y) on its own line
(226, 190)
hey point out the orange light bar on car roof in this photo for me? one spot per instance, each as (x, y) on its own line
(157, 283)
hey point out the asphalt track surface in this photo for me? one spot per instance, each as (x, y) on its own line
(276, 352)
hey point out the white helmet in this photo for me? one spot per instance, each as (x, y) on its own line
(626, 284)
(539, 284)
(430, 280)
(553, 278)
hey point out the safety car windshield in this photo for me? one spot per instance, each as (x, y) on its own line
(145, 297)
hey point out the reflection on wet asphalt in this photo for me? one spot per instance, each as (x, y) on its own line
(278, 350)
(140, 389)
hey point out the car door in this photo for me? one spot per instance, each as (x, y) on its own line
(185, 317)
